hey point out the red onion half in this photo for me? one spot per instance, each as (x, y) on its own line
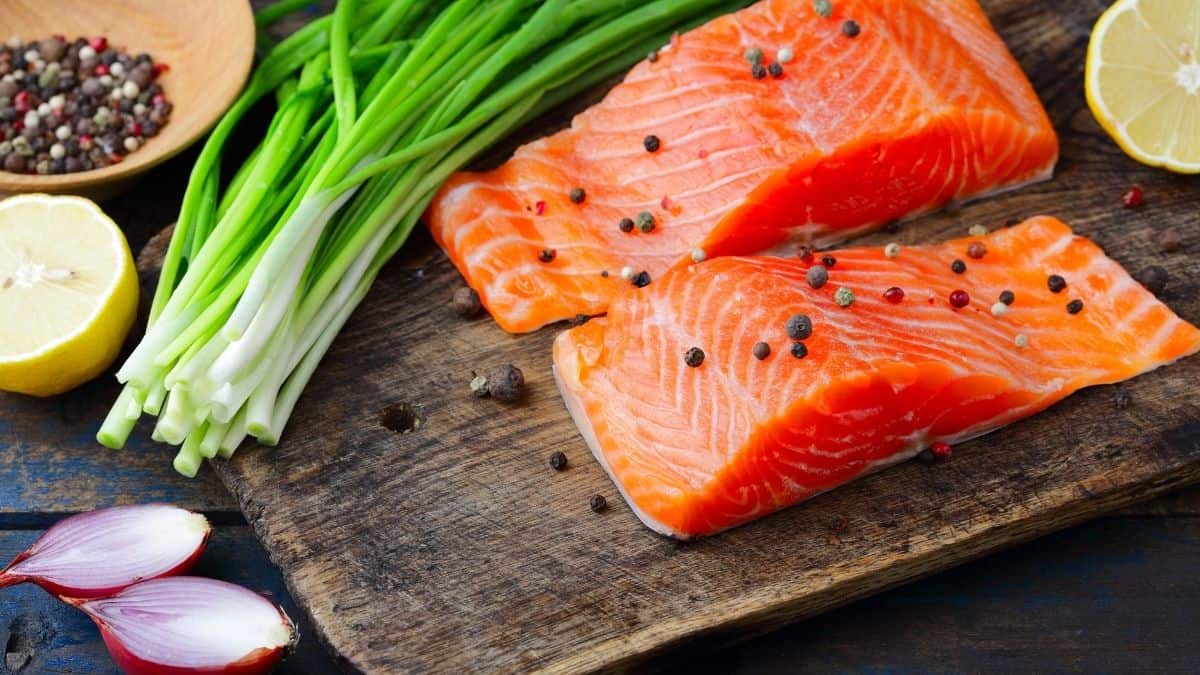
(184, 625)
(99, 553)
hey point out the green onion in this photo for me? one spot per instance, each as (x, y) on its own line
(377, 105)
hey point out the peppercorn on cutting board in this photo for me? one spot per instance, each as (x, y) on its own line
(423, 529)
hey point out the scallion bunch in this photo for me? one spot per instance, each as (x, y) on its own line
(377, 105)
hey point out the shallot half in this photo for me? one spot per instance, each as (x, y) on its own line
(184, 625)
(100, 553)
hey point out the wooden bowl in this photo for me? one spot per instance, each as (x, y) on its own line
(208, 45)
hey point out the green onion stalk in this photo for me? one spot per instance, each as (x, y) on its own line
(378, 104)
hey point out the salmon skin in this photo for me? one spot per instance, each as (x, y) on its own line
(924, 106)
(698, 448)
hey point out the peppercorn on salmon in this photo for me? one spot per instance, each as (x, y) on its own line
(703, 428)
(710, 149)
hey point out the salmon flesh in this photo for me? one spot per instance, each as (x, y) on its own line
(701, 435)
(708, 153)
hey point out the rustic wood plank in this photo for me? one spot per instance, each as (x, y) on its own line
(38, 634)
(1116, 595)
(496, 561)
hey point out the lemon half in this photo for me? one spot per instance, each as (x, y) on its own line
(1143, 80)
(68, 293)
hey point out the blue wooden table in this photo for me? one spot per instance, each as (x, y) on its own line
(1119, 594)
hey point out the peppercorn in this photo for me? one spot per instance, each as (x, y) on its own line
(1007, 297)
(698, 255)
(799, 350)
(547, 255)
(558, 461)
(641, 279)
(805, 253)
(926, 456)
(762, 350)
(506, 383)
(977, 231)
(652, 57)
(892, 250)
(577, 195)
(823, 8)
(1132, 197)
(894, 295)
(776, 70)
(645, 222)
(851, 29)
(626, 225)
(999, 309)
(757, 71)
(817, 276)
(1154, 278)
(828, 261)
(479, 386)
(799, 327)
(941, 451)
(754, 55)
(959, 299)
(844, 297)
(693, 357)
(958, 266)
(1075, 306)
(1169, 241)
(597, 503)
(652, 143)
(466, 302)
(1056, 283)
(977, 250)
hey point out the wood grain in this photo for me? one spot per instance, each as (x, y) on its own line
(455, 547)
(208, 45)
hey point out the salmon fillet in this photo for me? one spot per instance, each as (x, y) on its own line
(695, 450)
(925, 105)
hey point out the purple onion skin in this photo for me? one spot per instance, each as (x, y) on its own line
(160, 600)
(259, 662)
(81, 588)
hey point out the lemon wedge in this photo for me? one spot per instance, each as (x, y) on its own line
(68, 293)
(1143, 80)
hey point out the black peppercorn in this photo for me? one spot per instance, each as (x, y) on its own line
(799, 327)
(466, 302)
(694, 357)
(1154, 278)
(506, 383)
(958, 266)
(1056, 283)
(652, 143)
(558, 461)
(598, 503)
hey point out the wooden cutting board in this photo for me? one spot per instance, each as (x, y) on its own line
(424, 531)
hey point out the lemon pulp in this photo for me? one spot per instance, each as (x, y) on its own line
(68, 293)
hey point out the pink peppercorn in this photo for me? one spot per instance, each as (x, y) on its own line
(941, 451)
(894, 295)
(959, 299)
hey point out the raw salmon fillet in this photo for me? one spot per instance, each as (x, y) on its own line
(924, 106)
(695, 450)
